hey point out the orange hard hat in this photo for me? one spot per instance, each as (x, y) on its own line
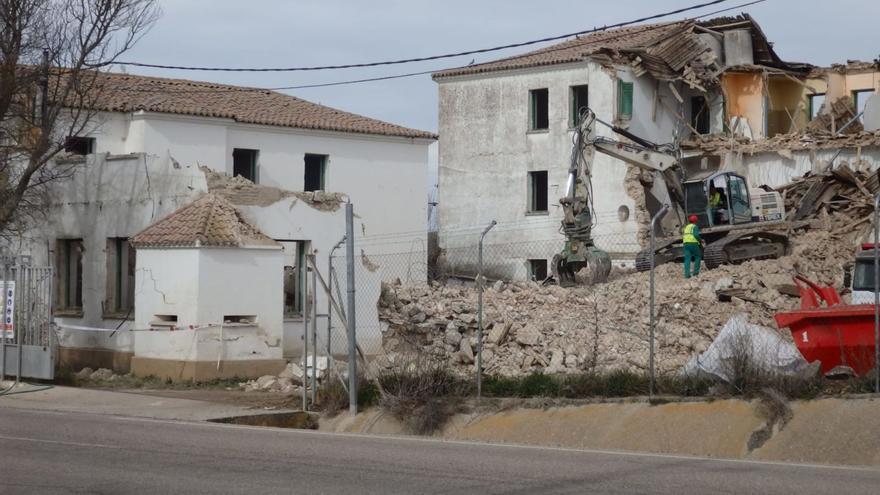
(692, 219)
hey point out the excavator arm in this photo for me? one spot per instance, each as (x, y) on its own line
(580, 250)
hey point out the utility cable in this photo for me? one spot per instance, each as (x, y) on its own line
(427, 58)
(398, 76)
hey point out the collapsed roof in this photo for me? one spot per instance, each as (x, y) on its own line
(668, 51)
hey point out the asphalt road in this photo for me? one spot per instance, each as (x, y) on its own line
(46, 452)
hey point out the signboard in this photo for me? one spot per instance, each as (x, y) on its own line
(8, 306)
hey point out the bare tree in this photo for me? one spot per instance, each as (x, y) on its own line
(52, 54)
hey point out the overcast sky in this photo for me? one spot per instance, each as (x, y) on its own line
(272, 33)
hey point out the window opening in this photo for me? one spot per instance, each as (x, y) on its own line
(538, 270)
(244, 163)
(315, 172)
(538, 191)
(580, 101)
(624, 100)
(540, 108)
(69, 253)
(700, 114)
(79, 145)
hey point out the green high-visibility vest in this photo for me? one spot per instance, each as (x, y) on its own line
(689, 237)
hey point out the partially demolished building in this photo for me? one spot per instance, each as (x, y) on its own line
(716, 90)
(269, 163)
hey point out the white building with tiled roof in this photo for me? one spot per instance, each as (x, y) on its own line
(157, 144)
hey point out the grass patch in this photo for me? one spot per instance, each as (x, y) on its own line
(68, 378)
(422, 395)
(333, 396)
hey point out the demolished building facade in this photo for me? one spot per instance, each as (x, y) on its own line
(715, 90)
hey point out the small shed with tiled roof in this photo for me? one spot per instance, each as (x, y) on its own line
(209, 221)
(209, 285)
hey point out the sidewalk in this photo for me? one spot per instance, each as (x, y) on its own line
(83, 400)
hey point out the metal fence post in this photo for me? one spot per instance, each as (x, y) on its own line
(3, 323)
(305, 316)
(330, 301)
(876, 295)
(656, 217)
(314, 307)
(480, 310)
(350, 313)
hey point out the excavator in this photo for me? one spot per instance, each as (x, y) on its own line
(737, 224)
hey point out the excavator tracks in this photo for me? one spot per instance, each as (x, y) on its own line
(736, 248)
(664, 252)
(730, 249)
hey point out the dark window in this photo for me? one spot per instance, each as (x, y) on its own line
(700, 114)
(120, 276)
(316, 170)
(294, 276)
(68, 261)
(863, 275)
(244, 163)
(538, 270)
(624, 100)
(78, 145)
(538, 191)
(579, 103)
(539, 101)
(815, 104)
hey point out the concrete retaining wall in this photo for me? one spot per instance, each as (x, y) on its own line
(826, 431)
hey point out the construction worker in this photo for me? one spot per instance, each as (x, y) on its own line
(692, 246)
(716, 203)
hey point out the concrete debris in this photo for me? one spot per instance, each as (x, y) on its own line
(242, 192)
(101, 374)
(84, 374)
(368, 264)
(287, 382)
(722, 143)
(269, 383)
(292, 372)
(529, 327)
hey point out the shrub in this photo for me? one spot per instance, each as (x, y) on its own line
(333, 395)
(423, 395)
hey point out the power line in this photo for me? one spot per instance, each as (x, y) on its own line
(399, 76)
(424, 59)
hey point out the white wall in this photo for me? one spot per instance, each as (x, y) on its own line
(106, 196)
(201, 286)
(775, 170)
(295, 220)
(385, 177)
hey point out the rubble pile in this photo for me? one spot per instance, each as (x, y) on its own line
(783, 144)
(840, 200)
(287, 382)
(100, 374)
(839, 113)
(601, 328)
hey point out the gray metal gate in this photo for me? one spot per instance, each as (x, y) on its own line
(27, 339)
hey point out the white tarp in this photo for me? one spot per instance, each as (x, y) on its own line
(765, 348)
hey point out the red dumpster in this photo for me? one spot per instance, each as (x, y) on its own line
(835, 334)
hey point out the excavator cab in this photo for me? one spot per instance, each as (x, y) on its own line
(717, 199)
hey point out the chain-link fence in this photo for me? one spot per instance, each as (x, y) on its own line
(379, 263)
(424, 303)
